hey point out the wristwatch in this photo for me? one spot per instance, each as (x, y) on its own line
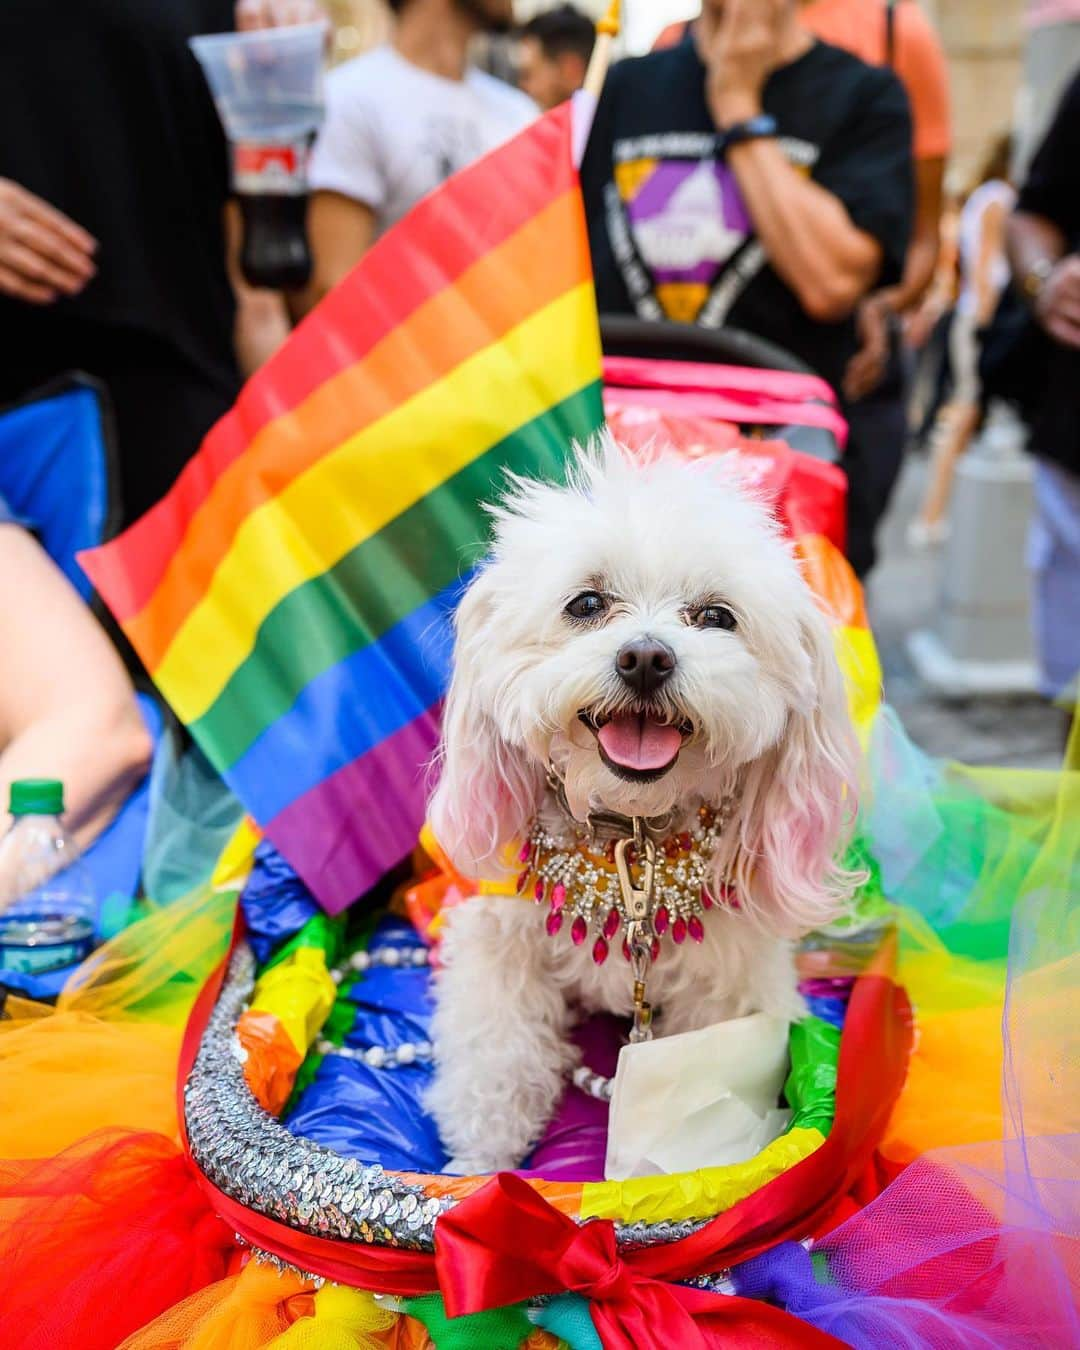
(1035, 278)
(753, 129)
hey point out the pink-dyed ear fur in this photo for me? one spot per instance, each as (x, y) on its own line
(797, 807)
(487, 792)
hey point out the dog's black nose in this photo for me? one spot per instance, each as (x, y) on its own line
(644, 665)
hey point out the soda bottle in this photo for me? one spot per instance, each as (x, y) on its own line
(267, 87)
(270, 182)
(47, 902)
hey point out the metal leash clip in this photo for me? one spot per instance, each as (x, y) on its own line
(638, 904)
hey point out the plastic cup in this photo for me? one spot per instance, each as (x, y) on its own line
(266, 84)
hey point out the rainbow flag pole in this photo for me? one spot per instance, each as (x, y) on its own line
(290, 595)
(607, 30)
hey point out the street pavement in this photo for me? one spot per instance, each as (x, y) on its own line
(902, 595)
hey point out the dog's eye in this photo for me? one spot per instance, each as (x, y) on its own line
(713, 616)
(587, 605)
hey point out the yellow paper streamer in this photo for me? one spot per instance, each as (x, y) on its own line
(299, 992)
(696, 1195)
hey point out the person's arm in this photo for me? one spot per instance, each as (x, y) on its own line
(866, 368)
(341, 230)
(919, 62)
(43, 253)
(262, 320)
(1040, 263)
(991, 248)
(920, 264)
(805, 230)
(67, 707)
(1047, 216)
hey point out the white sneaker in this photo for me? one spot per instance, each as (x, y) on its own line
(926, 534)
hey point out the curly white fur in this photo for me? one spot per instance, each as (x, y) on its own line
(770, 726)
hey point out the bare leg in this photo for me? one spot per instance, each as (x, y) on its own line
(946, 450)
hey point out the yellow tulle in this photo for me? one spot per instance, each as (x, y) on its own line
(344, 1319)
(152, 971)
(106, 1055)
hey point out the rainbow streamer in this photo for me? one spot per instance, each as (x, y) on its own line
(290, 595)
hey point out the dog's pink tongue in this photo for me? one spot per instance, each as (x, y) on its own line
(637, 742)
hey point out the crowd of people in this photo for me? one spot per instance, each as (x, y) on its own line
(776, 166)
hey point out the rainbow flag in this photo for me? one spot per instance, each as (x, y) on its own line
(290, 595)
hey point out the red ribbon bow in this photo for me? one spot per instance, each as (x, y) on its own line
(505, 1243)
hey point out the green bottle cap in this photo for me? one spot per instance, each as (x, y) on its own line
(37, 797)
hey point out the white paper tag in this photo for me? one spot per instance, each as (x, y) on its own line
(702, 1099)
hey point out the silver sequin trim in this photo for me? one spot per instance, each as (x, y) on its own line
(256, 1161)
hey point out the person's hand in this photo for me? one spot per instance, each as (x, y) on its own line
(920, 323)
(741, 56)
(253, 14)
(866, 368)
(1058, 306)
(43, 254)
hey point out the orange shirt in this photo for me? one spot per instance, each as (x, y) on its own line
(859, 27)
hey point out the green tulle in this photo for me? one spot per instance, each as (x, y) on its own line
(498, 1329)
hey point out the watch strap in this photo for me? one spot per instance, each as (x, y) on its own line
(752, 129)
(1035, 278)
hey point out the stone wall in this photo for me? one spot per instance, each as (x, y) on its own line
(983, 40)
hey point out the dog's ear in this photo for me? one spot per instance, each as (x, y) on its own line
(487, 793)
(798, 805)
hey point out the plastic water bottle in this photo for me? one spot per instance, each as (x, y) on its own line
(47, 901)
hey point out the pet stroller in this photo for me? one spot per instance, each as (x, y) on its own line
(330, 1167)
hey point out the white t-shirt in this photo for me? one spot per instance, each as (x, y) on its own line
(393, 132)
(996, 193)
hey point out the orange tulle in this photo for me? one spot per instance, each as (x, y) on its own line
(69, 1074)
(259, 1309)
(244, 1312)
(953, 1089)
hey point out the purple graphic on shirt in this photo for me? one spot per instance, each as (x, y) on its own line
(688, 218)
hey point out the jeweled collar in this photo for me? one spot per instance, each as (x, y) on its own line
(583, 889)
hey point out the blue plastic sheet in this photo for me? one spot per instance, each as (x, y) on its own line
(275, 902)
(377, 1115)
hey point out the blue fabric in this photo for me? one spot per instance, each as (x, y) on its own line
(830, 1009)
(8, 516)
(791, 1278)
(113, 861)
(377, 1115)
(54, 474)
(567, 1316)
(275, 902)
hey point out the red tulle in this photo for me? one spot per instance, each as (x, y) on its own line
(97, 1241)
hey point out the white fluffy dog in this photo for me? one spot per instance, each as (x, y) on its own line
(645, 635)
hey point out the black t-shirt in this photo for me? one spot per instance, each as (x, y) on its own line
(1053, 190)
(105, 114)
(669, 231)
